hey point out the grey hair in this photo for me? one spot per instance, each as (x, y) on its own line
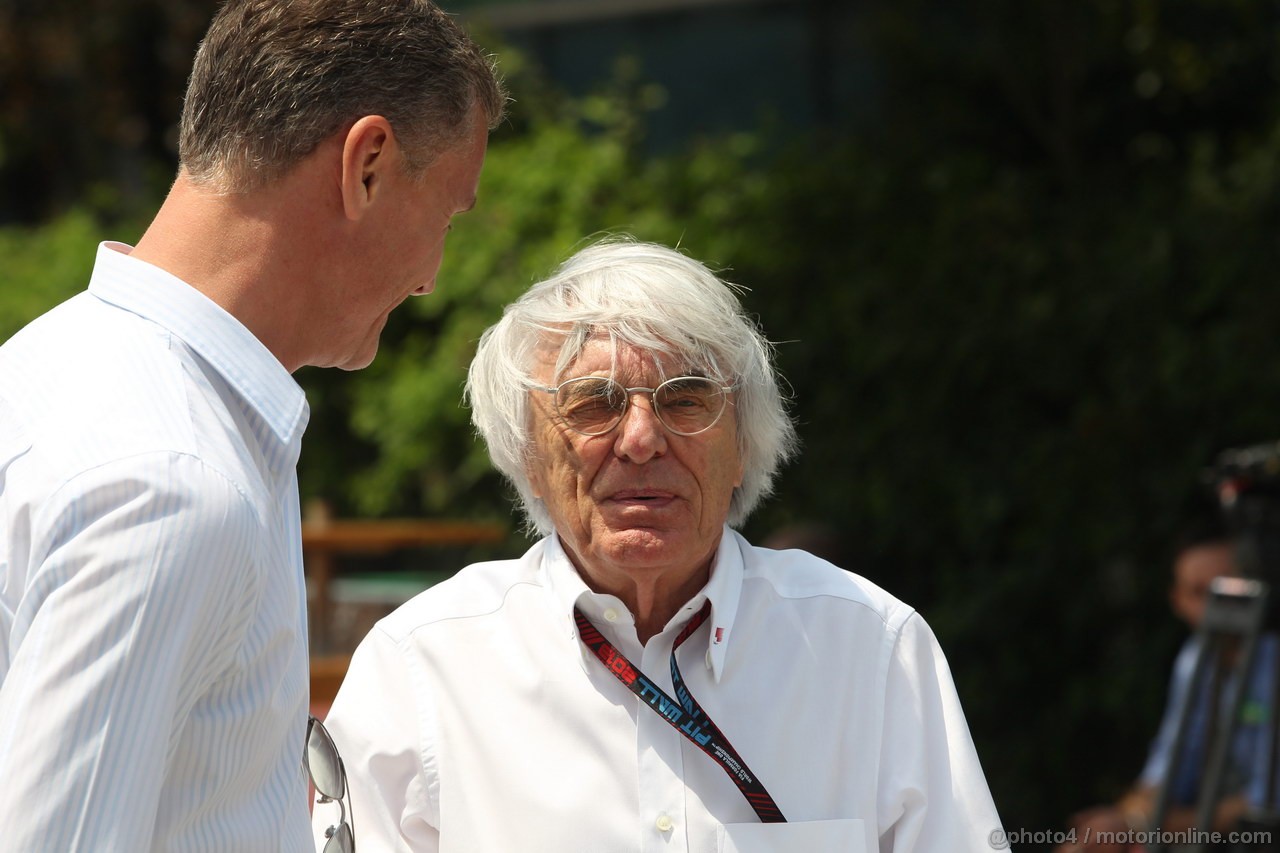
(646, 296)
(274, 78)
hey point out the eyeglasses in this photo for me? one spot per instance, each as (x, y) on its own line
(329, 777)
(686, 405)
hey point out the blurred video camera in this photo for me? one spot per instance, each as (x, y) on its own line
(1247, 483)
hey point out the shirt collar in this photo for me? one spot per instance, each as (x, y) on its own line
(213, 334)
(724, 589)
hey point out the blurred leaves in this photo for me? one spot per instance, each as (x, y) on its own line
(44, 266)
(1019, 315)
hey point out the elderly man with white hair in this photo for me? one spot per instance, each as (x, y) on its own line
(643, 678)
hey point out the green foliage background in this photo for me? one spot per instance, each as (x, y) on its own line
(1019, 317)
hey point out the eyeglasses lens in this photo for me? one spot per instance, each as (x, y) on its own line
(689, 405)
(341, 840)
(323, 764)
(591, 405)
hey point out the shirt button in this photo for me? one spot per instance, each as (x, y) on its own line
(610, 615)
(663, 823)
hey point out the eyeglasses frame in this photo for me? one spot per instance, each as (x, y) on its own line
(627, 392)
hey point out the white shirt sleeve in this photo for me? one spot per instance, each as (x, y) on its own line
(933, 797)
(381, 722)
(140, 579)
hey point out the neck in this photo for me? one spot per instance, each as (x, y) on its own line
(653, 596)
(254, 254)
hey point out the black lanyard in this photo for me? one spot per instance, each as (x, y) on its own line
(686, 715)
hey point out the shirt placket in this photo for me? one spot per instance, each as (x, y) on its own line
(660, 762)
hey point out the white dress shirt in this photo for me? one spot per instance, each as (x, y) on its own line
(153, 660)
(473, 719)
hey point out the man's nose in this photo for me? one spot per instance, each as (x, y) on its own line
(640, 435)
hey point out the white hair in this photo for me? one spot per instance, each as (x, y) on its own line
(645, 296)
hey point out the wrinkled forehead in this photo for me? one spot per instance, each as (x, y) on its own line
(565, 356)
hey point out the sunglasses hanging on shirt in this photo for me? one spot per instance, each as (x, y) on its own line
(329, 777)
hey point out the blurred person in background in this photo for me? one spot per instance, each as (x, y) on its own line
(153, 657)
(1202, 554)
(643, 677)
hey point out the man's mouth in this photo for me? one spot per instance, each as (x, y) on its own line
(642, 496)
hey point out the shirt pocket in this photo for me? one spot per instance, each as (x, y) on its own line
(816, 836)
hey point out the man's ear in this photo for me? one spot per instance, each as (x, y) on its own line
(366, 156)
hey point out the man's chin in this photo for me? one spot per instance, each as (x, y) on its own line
(359, 360)
(641, 545)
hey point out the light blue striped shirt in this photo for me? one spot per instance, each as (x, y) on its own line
(153, 660)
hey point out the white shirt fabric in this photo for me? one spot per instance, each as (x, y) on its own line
(473, 719)
(153, 658)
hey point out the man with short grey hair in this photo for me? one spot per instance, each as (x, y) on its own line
(153, 660)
